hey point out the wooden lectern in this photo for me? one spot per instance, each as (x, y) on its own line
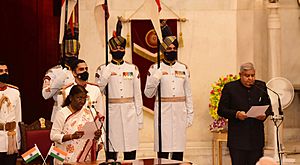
(218, 138)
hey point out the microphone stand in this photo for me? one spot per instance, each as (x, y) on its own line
(275, 118)
(115, 162)
(278, 118)
(159, 101)
(106, 88)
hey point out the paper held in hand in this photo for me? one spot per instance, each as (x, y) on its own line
(89, 129)
(255, 111)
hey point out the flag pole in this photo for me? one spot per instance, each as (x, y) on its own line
(44, 160)
(48, 153)
(65, 31)
(159, 100)
(106, 88)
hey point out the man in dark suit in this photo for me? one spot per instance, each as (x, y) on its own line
(245, 134)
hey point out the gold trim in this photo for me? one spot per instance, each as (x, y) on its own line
(120, 100)
(173, 99)
(148, 35)
(145, 53)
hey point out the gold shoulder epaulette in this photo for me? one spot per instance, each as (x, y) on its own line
(12, 86)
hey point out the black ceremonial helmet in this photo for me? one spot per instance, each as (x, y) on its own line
(168, 39)
(70, 48)
(117, 43)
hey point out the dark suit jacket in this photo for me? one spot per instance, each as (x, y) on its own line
(247, 134)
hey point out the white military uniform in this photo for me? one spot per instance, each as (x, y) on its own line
(10, 111)
(54, 80)
(176, 104)
(125, 104)
(94, 94)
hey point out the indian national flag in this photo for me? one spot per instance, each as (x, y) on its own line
(70, 7)
(57, 153)
(31, 154)
(152, 10)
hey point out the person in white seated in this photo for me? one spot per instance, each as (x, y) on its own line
(266, 161)
(67, 131)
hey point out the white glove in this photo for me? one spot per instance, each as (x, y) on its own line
(157, 74)
(58, 81)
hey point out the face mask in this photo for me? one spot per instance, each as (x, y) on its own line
(4, 78)
(118, 55)
(83, 76)
(171, 56)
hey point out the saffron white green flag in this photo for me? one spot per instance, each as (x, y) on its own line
(152, 9)
(99, 12)
(31, 154)
(57, 153)
(70, 8)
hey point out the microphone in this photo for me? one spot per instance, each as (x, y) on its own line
(93, 116)
(280, 112)
(115, 162)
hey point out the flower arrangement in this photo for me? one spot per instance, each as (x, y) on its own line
(219, 123)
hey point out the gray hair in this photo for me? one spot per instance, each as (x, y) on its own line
(246, 66)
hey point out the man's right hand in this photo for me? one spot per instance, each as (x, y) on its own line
(241, 115)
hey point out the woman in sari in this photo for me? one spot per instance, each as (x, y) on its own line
(67, 127)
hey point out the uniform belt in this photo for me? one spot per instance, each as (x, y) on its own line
(10, 126)
(121, 100)
(173, 99)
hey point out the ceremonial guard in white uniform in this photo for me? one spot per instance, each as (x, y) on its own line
(125, 100)
(10, 116)
(54, 80)
(61, 75)
(176, 99)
